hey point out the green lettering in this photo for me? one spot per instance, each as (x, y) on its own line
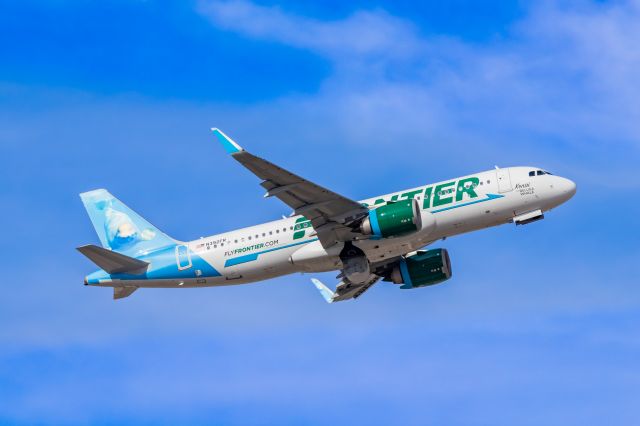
(427, 197)
(467, 186)
(438, 198)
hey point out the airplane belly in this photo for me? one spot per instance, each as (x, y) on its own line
(315, 258)
(261, 265)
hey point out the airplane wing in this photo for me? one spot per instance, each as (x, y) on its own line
(330, 213)
(344, 290)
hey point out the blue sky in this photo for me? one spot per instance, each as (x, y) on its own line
(539, 324)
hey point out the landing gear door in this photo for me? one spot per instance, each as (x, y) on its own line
(504, 180)
(183, 257)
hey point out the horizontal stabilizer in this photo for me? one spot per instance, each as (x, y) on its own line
(113, 262)
(122, 292)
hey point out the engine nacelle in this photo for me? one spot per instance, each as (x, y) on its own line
(422, 269)
(396, 219)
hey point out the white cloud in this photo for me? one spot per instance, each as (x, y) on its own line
(365, 33)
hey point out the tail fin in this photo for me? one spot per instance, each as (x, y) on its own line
(120, 228)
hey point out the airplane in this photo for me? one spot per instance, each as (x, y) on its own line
(381, 238)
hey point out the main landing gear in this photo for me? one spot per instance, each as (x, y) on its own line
(356, 266)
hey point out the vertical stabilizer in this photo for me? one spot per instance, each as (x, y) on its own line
(120, 228)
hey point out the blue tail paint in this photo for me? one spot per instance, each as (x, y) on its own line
(120, 228)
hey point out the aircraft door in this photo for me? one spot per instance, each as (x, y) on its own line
(504, 180)
(183, 257)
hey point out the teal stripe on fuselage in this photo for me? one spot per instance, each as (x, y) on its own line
(254, 256)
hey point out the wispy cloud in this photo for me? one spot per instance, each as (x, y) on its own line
(565, 78)
(371, 34)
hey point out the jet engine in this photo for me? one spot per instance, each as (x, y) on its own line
(397, 218)
(422, 269)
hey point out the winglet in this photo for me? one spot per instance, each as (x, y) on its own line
(229, 145)
(324, 290)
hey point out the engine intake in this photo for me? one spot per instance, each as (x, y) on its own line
(396, 218)
(422, 269)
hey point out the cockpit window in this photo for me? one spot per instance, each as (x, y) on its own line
(532, 173)
(540, 172)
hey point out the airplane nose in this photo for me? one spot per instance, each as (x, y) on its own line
(567, 187)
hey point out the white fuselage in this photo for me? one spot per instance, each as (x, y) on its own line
(286, 246)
